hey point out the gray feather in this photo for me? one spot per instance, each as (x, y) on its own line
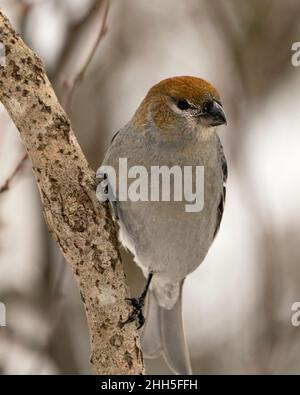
(151, 338)
(221, 206)
(164, 335)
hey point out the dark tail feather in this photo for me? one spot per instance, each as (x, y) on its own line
(164, 334)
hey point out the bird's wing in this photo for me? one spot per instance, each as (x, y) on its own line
(223, 194)
(114, 136)
(114, 203)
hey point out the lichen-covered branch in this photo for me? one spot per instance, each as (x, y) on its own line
(81, 225)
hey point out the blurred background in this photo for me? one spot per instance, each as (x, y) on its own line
(237, 305)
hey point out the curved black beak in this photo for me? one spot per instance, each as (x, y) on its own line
(215, 114)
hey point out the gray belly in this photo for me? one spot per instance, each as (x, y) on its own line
(166, 239)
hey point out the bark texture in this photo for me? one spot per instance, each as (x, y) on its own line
(81, 225)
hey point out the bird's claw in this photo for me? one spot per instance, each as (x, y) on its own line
(137, 313)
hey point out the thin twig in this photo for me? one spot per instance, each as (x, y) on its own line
(6, 185)
(69, 85)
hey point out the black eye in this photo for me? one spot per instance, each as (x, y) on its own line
(183, 104)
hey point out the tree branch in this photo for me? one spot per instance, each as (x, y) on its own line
(97, 19)
(81, 225)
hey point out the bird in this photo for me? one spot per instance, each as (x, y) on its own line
(175, 125)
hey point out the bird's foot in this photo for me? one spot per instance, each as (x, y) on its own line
(138, 305)
(137, 313)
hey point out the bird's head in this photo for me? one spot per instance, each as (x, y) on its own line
(181, 103)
